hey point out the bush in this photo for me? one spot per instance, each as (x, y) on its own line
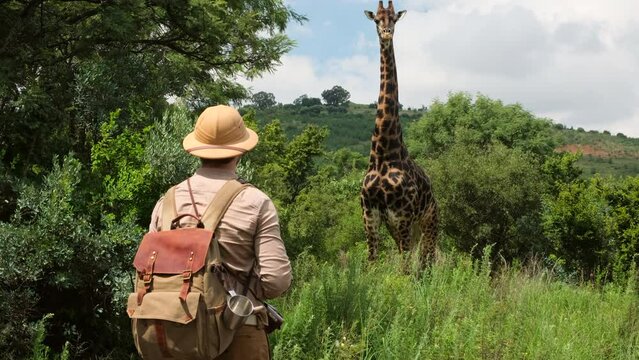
(56, 261)
(479, 122)
(489, 196)
(317, 226)
(623, 201)
(311, 110)
(575, 224)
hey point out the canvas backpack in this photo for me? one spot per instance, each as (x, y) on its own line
(176, 309)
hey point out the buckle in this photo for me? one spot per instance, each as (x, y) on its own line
(147, 277)
(187, 274)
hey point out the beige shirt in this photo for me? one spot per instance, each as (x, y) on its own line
(249, 232)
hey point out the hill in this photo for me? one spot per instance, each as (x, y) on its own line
(603, 153)
(351, 127)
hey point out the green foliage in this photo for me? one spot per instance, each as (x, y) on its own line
(575, 224)
(40, 350)
(319, 227)
(55, 261)
(286, 165)
(136, 167)
(67, 65)
(306, 101)
(263, 100)
(480, 123)
(118, 159)
(560, 169)
(623, 201)
(336, 96)
(592, 226)
(311, 110)
(164, 153)
(489, 196)
(353, 309)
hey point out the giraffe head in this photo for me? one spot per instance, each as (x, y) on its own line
(385, 20)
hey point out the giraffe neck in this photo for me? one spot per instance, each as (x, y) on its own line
(387, 140)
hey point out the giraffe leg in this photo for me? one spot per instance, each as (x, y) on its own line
(402, 233)
(428, 239)
(372, 221)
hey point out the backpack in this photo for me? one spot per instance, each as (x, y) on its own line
(176, 309)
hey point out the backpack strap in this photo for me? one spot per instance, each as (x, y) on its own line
(216, 209)
(213, 213)
(221, 202)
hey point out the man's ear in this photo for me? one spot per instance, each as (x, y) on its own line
(369, 14)
(400, 14)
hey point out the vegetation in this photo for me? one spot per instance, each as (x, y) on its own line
(335, 96)
(68, 65)
(459, 310)
(538, 255)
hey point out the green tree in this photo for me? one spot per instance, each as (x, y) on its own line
(317, 226)
(622, 196)
(56, 260)
(489, 196)
(67, 65)
(561, 169)
(336, 96)
(263, 100)
(305, 101)
(575, 223)
(480, 122)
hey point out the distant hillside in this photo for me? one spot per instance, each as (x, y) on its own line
(351, 127)
(603, 153)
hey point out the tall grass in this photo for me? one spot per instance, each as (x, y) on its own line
(458, 309)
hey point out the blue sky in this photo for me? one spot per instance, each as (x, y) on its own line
(333, 29)
(574, 61)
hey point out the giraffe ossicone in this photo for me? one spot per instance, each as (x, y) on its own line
(395, 190)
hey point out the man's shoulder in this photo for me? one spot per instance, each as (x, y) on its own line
(251, 192)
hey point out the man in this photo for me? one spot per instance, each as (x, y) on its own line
(250, 242)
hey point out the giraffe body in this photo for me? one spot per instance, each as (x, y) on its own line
(395, 190)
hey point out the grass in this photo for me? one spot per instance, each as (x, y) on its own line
(457, 310)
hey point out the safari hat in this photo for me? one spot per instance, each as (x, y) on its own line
(219, 133)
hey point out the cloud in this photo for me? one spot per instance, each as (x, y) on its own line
(300, 75)
(509, 42)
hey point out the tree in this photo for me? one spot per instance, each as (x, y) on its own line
(304, 101)
(575, 224)
(489, 196)
(479, 122)
(67, 65)
(336, 96)
(263, 100)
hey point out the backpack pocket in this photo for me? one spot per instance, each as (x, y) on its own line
(165, 326)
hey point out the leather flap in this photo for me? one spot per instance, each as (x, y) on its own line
(173, 252)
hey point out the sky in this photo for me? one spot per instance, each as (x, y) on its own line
(573, 61)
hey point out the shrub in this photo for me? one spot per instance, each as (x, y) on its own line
(575, 224)
(317, 225)
(56, 261)
(489, 196)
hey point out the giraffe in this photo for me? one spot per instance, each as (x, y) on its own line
(395, 190)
